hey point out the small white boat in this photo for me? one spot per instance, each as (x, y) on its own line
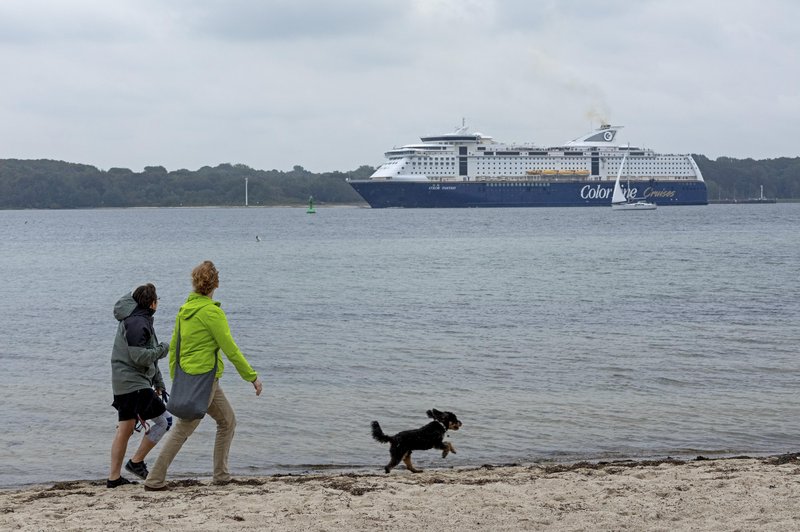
(620, 202)
(638, 205)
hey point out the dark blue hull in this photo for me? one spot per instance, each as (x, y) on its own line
(416, 194)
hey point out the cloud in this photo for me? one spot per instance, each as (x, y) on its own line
(281, 20)
(46, 22)
(332, 85)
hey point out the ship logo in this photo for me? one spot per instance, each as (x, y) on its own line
(595, 192)
(603, 136)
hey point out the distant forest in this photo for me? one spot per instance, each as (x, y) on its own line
(47, 184)
(728, 178)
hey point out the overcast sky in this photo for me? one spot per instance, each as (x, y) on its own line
(333, 84)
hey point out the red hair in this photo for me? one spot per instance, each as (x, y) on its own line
(205, 278)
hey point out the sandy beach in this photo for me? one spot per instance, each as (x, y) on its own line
(723, 494)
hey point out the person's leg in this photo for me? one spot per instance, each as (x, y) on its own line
(222, 412)
(177, 436)
(119, 446)
(144, 447)
(158, 427)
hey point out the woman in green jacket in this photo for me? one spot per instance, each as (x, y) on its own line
(204, 333)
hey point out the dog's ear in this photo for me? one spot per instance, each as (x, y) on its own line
(433, 413)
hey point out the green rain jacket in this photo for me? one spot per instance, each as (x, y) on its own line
(204, 333)
(134, 368)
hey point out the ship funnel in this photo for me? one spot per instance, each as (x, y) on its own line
(604, 136)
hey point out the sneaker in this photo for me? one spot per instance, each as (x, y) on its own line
(137, 468)
(160, 488)
(121, 481)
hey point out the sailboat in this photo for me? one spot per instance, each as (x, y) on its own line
(619, 202)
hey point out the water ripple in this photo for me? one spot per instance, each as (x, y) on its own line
(555, 334)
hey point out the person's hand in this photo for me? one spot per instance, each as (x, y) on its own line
(258, 386)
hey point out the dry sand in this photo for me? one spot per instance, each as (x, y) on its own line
(723, 494)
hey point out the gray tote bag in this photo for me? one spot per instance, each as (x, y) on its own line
(190, 393)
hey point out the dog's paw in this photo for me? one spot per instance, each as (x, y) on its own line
(445, 453)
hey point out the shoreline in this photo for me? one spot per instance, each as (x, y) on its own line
(333, 470)
(662, 494)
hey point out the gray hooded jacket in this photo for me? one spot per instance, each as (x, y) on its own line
(135, 355)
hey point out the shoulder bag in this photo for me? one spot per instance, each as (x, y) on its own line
(190, 393)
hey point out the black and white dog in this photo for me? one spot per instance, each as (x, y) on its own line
(428, 437)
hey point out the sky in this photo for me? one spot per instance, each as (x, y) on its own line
(332, 85)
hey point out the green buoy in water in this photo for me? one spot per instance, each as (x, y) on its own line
(310, 205)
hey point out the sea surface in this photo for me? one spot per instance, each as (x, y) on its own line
(555, 334)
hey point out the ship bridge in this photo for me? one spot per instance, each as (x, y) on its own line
(460, 135)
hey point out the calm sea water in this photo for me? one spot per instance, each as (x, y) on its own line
(554, 334)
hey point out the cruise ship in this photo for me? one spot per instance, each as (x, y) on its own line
(470, 169)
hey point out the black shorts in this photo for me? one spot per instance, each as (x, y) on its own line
(143, 403)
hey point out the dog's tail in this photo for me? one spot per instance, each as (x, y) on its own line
(378, 434)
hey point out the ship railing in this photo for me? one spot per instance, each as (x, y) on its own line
(536, 178)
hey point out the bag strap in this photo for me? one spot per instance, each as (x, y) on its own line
(178, 345)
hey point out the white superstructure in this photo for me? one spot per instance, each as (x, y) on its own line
(471, 156)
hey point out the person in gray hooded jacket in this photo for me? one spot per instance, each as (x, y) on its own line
(136, 381)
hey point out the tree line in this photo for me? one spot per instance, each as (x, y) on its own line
(728, 178)
(48, 184)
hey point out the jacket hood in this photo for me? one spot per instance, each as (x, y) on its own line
(124, 307)
(193, 304)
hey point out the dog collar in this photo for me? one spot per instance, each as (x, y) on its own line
(442, 424)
